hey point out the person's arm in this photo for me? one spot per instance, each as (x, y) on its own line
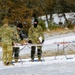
(16, 37)
(30, 35)
(0, 31)
(41, 34)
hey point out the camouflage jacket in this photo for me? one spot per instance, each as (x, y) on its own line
(6, 34)
(16, 35)
(35, 33)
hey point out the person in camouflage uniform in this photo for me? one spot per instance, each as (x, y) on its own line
(18, 30)
(34, 33)
(6, 34)
(16, 49)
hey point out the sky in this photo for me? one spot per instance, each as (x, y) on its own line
(48, 66)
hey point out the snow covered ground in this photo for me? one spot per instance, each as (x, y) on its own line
(49, 66)
(60, 66)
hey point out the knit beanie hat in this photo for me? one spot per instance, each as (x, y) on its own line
(36, 20)
(20, 25)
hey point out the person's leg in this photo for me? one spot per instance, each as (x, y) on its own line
(13, 53)
(9, 54)
(39, 53)
(32, 53)
(4, 55)
(16, 53)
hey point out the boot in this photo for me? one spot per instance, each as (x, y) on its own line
(5, 63)
(39, 58)
(16, 60)
(10, 63)
(32, 60)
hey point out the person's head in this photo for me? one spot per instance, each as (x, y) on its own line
(35, 23)
(5, 21)
(20, 25)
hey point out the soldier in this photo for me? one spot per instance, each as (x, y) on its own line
(16, 49)
(6, 34)
(18, 30)
(35, 32)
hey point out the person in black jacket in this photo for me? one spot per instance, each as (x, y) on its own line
(21, 34)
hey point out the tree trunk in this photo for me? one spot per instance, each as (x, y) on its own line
(65, 18)
(47, 20)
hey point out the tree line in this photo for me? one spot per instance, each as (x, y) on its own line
(24, 10)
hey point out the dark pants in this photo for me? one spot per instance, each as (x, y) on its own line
(16, 52)
(33, 50)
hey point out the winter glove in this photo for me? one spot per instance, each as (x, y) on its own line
(12, 44)
(42, 41)
(29, 41)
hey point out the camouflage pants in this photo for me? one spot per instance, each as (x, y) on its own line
(7, 52)
(33, 50)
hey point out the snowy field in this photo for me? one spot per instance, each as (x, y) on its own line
(62, 65)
